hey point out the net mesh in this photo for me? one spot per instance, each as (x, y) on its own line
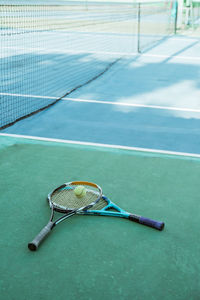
(49, 49)
(156, 22)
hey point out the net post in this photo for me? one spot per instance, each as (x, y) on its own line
(175, 11)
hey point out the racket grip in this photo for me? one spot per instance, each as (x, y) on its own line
(148, 222)
(40, 237)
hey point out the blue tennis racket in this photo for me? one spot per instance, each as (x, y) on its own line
(105, 207)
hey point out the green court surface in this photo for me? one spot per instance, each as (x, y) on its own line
(90, 257)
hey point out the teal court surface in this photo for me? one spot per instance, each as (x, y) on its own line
(85, 96)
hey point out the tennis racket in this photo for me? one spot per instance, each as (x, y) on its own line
(64, 200)
(106, 207)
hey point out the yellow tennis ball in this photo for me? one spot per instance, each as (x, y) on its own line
(80, 191)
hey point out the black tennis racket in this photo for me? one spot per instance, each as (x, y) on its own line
(64, 200)
(105, 207)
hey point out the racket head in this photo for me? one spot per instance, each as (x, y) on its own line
(63, 198)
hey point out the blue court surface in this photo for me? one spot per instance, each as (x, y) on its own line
(146, 101)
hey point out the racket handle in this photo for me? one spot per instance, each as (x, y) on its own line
(148, 222)
(40, 237)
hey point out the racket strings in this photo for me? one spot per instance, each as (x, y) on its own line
(66, 199)
(99, 205)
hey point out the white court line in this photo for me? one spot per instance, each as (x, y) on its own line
(137, 105)
(184, 38)
(58, 50)
(133, 105)
(28, 96)
(99, 145)
(173, 56)
(109, 53)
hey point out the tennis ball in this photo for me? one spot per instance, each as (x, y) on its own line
(80, 191)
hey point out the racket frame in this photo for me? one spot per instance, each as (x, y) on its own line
(122, 214)
(34, 244)
(69, 185)
(119, 212)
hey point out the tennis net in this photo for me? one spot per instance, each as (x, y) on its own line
(156, 22)
(49, 49)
